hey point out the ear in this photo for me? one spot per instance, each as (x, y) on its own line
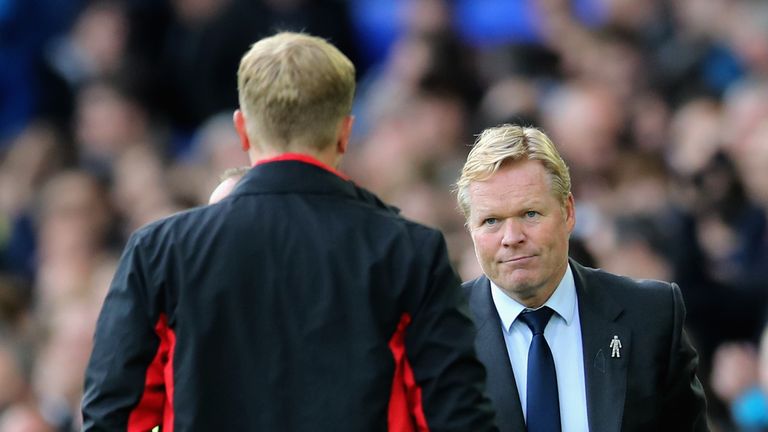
(570, 212)
(345, 131)
(239, 120)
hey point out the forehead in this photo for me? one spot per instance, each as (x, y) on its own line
(520, 182)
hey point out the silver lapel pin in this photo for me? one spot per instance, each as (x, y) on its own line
(615, 346)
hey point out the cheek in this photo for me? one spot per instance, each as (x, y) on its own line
(485, 245)
(558, 243)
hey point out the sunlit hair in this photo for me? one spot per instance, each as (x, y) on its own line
(506, 143)
(234, 173)
(294, 90)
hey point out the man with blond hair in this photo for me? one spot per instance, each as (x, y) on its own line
(297, 302)
(566, 347)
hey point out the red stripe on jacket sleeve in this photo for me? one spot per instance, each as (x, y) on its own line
(406, 412)
(168, 374)
(155, 406)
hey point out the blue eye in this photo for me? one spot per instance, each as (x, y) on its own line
(490, 221)
(531, 214)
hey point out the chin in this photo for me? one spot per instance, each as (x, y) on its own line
(522, 286)
(520, 277)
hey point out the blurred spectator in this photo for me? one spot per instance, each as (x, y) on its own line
(15, 302)
(695, 136)
(24, 418)
(740, 378)
(16, 396)
(693, 58)
(26, 27)
(746, 106)
(639, 250)
(140, 190)
(752, 165)
(730, 228)
(585, 119)
(747, 34)
(94, 48)
(108, 120)
(75, 226)
(62, 359)
(34, 154)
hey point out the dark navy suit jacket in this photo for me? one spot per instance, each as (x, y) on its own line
(651, 387)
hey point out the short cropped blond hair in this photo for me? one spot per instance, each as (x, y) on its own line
(294, 90)
(499, 145)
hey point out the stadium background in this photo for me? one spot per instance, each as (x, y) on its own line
(116, 113)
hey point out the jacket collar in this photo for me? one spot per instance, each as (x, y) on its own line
(301, 157)
(302, 174)
(292, 175)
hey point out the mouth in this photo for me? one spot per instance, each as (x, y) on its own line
(517, 260)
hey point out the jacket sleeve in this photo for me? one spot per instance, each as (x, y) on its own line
(119, 392)
(440, 347)
(684, 406)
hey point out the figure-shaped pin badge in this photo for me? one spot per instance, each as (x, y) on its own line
(615, 346)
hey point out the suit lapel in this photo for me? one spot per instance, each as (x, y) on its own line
(606, 376)
(492, 351)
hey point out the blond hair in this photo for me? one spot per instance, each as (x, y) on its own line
(294, 90)
(234, 173)
(499, 145)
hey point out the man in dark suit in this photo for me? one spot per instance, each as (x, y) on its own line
(565, 347)
(299, 302)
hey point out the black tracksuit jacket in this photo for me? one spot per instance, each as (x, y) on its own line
(278, 309)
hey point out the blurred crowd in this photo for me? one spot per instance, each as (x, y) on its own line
(114, 113)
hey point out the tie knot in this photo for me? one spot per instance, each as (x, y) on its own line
(537, 320)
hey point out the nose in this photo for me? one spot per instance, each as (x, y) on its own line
(513, 233)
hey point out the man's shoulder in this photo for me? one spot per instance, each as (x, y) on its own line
(469, 286)
(389, 216)
(605, 278)
(370, 198)
(166, 227)
(631, 292)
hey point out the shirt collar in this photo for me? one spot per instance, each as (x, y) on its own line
(562, 301)
(301, 157)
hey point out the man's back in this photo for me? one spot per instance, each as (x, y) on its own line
(282, 303)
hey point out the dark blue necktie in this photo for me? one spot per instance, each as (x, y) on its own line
(542, 407)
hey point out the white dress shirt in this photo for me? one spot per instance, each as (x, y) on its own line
(563, 334)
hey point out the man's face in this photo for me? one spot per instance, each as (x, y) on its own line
(520, 231)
